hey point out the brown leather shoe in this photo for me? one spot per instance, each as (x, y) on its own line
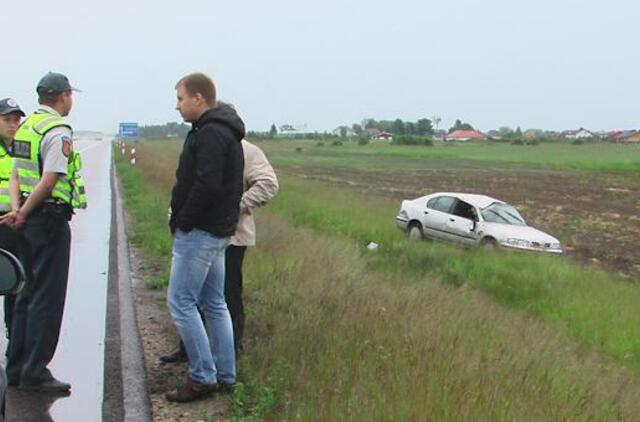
(190, 391)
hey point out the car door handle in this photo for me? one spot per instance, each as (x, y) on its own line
(452, 220)
(426, 212)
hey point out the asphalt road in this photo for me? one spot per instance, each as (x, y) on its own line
(80, 357)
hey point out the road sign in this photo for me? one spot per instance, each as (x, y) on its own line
(128, 130)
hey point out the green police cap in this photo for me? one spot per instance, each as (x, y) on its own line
(52, 83)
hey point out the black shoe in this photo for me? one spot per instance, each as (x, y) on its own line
(178, 356)
(51, 386)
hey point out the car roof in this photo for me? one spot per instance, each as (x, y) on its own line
(480, 201)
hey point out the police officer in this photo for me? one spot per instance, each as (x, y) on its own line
(10, 117)
(46, 182)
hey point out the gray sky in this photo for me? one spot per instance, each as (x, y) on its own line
(547, 64)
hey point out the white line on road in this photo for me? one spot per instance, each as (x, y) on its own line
(90, 147)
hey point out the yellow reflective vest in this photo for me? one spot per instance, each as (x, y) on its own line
(26, 147)
(6, 167)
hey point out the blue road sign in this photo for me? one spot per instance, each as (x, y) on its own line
(128, 130)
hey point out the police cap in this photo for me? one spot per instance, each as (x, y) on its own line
(53, 83)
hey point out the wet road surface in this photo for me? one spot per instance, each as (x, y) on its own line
(79, 358)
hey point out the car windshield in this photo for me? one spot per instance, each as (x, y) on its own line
(504, 214)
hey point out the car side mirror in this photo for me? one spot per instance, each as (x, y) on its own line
(12, 276)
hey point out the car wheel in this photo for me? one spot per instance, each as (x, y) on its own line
(489, 244)
(415, 232)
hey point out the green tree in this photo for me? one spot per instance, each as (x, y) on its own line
(505, 131)
(357, 129)
(424, 127)
(460, 125)
(273, 131)
(518, 133)
(436, 122)
(370, 124)
(398, 127)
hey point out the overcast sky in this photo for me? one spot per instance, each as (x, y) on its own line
(536, 64)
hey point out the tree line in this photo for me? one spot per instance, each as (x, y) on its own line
(421, 127)
(168, 130)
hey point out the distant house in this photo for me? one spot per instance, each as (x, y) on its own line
(291, 131)
(344, 129)
(440, 135)
(581, 133)
(625, 136)
(534, 134)
(380, 135)
(495, 135)
(465, 135)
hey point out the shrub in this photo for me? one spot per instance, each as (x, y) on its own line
(336, 143)
(298, 149)
(412, 140)
(577, 142)
(363, 141)
(320, 144)
(517, 142)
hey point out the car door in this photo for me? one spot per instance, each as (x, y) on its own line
(435, 216)
(461, 223)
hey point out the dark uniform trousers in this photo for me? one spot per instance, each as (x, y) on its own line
(9, 242)
(44, 250)
(234, 257)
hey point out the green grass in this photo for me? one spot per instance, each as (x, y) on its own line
(334, 339)
(147, 205)
(593, 306)
(413, 331)
(588, 157)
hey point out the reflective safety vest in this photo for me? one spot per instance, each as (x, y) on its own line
(6, 167)
(70, 187)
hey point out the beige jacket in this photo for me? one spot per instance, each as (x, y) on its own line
(260, 186)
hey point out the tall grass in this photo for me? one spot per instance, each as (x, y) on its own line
(591, 305)
(336, 340)
(337, 333)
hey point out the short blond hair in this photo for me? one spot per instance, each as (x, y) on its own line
(199, 83)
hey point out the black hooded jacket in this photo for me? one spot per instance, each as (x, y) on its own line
(208, 185)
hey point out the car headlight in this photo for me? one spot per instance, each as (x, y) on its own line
(518, 242)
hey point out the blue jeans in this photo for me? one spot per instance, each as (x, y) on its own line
(197, 279)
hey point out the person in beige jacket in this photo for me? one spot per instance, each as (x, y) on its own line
(260, 186)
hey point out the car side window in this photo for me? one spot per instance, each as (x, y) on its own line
(443, 203)
(432, 202)
(464, 210)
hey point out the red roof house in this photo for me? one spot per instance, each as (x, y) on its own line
(465, 135)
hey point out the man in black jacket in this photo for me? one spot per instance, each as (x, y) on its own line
(204, 214)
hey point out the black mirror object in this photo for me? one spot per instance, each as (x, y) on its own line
(12, 274)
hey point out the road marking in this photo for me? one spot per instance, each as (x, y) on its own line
(90, 147)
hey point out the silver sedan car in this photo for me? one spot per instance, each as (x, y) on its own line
(472, 220)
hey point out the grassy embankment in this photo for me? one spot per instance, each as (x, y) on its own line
(340, 333)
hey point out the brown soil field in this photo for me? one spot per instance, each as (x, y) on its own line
(596, 215)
